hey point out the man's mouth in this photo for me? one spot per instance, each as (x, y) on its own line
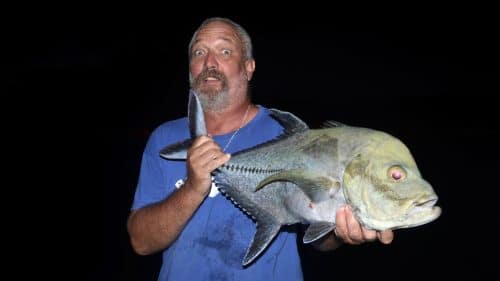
(210, 80)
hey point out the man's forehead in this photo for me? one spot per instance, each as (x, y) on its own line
(218, 30)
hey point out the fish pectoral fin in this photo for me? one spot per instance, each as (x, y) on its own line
(317, 230)
(317, 187)
(176, 151)
(264, 235)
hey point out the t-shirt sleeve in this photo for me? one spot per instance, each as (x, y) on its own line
(151, 186)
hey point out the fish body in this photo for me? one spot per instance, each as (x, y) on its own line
(305, 175)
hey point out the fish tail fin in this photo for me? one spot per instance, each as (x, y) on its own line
(176, 151)
(197, 127)
(267, 225)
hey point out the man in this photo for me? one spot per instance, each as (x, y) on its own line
(177, 209)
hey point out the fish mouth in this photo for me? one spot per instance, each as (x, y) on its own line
(422, 213)
(418, 214)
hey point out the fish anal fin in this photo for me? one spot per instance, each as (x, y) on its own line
(267, 225)
(317, 187)
(263, 236)
(317, 230)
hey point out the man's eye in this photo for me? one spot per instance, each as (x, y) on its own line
(226, 52)
(197, 53)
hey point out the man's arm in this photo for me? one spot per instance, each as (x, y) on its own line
(154, 227)
(349, 230)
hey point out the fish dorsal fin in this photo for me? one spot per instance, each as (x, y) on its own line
(317, 187)
(317, 230)
(291, 123)
(332, 124)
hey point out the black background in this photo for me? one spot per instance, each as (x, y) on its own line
(93, 84)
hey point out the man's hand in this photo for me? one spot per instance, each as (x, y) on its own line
(204, 156)
(350, 231)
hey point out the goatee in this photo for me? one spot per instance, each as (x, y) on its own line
(211, 98)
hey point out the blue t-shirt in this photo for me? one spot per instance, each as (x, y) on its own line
(214, 241)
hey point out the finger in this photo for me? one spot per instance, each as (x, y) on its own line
(369, 234)
(345, 228)
(208, 157)
(385, 236)
(353, 226)
(341, 225)
(201, 140)
(218, 161)
(200, 168)
(199, 159)
(204, 149)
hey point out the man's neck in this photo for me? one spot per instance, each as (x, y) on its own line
(219, 123)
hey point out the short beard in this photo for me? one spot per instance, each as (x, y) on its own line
(211, 99)
(214, 101)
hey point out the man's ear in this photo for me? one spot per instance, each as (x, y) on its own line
(249, 68)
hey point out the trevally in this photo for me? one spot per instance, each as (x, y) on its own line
(305, 175)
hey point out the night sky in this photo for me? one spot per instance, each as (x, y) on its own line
(93, 86)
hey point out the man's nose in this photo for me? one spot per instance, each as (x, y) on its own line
(211, 61)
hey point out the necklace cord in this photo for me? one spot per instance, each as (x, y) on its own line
(237, 130)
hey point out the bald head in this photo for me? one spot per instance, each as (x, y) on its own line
(241, 33)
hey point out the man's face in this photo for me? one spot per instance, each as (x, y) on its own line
(217, 67)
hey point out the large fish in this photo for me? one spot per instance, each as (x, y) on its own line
(305, 175)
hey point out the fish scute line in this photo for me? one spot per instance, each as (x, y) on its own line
(251, 170)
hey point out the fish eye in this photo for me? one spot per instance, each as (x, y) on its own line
(397, 173)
